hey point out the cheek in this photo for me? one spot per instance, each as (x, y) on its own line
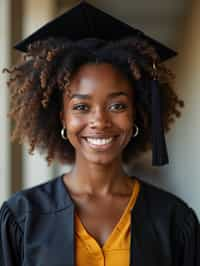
(74, 123)
(125, 121)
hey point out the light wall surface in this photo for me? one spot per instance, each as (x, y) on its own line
(4, 124)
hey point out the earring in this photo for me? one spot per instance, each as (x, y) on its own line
(64, 133)
(136, 131)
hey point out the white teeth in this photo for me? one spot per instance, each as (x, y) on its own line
(99, 141)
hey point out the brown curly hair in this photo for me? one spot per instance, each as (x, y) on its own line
(38, 82)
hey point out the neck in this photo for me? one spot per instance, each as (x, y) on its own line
(98, 179)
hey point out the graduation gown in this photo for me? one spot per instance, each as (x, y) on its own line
(37, 228)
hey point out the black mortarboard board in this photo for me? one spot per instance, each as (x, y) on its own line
(86, 21)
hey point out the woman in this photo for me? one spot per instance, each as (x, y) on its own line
(97, 95)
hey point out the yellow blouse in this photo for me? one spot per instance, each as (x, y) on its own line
(116, 249)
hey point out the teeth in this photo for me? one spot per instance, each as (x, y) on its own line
(99, 141)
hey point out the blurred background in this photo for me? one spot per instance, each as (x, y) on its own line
(176, 23)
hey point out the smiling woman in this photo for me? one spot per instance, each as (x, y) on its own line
(94, 102)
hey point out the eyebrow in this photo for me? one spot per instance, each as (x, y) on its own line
(116, 94)
(87, 96)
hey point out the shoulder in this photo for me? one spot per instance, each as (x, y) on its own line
(164, 204)
(44, 198)
(159, 196)
(168, 219)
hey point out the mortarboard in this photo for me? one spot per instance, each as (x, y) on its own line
(86, 21)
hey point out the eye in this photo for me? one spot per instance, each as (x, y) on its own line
(118, 107)
(80, 107)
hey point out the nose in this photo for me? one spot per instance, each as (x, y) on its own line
(100, 119)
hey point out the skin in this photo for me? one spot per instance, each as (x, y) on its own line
(93, 188)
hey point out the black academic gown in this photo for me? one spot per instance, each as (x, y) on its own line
(37, 228)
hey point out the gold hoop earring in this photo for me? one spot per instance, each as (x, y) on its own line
(63, 133)
(136, 131)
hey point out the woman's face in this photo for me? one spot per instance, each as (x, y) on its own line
(98, 113)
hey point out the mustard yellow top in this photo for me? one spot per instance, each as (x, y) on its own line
(116, 249)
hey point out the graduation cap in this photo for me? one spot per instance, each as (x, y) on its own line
(86, 21)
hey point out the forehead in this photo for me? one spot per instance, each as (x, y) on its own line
(99, 77)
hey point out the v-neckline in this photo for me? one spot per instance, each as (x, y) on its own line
(127, 211)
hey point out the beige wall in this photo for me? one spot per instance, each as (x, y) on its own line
(4, 124)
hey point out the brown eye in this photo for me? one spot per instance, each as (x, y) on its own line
(118, 107)
(80, 107)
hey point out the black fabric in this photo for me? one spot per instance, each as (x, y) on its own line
(37, 228)
(11, 246)
(159, 147)
(86, 21)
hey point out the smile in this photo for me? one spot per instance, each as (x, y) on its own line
(99, 141)
(100, 144)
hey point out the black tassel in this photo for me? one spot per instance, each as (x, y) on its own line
(159, 148)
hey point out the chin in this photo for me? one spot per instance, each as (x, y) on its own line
(102, 160)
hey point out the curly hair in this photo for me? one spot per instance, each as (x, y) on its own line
(38, 82)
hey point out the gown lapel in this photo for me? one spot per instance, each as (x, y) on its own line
(65, 235)
(66, 231)
(50, 231)
(146, 245)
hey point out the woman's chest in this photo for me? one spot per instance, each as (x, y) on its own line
(99, 217)
(49, 239)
